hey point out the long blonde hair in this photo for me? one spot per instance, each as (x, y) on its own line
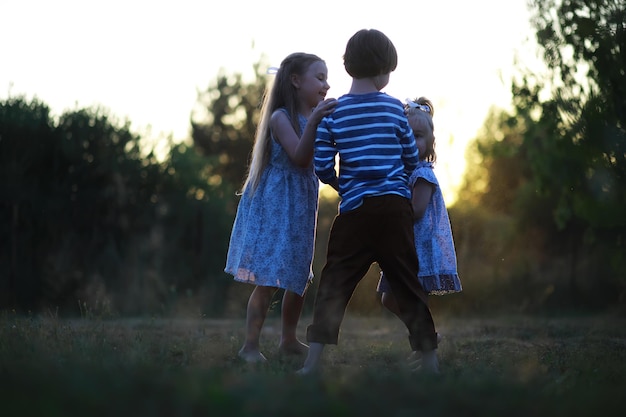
(282, 94)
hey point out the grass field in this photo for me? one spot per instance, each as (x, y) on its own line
(504, 366)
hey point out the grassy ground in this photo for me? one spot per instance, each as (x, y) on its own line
(506, 366)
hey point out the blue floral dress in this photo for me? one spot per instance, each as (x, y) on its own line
(433, 241)
(273, 236)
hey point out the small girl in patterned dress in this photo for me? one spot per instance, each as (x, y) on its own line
(272, 240)
(433, 235)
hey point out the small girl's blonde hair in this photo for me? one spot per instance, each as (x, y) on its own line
(423, 106)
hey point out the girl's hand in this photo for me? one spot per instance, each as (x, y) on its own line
(323, 108)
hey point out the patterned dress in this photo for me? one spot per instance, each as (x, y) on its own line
(273, 236)
(433, 241)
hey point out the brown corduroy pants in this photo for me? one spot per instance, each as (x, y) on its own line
(380, 230)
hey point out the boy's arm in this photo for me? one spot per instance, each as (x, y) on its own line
(410, 154)
(324, 159)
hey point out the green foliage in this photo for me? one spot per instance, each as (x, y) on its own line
(29, 124)
(581, 159)
(91, 221)
(577, 145)
(498, 162)
(555, 168)
(225, 124)
(194, 217)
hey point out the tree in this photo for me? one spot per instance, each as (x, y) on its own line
(90, 219)
(497, 159)
(26, 139)
(556, 165)
(65, 197)
(224, 127)
(584, 44)
(575, 141)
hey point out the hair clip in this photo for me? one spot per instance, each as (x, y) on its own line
(423, 107)
(272, 70)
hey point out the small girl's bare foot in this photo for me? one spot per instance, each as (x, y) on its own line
(252, 356)
(295, 348)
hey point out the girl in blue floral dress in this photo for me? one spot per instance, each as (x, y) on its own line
(433, 234)
(272, 240)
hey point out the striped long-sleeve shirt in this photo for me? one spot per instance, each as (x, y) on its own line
(376, 148)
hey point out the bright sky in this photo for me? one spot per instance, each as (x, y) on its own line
(146, 60)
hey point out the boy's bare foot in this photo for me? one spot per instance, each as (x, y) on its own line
(415, 357)
(427, 363)
(252, 356)
(313, 360)
(307, 371)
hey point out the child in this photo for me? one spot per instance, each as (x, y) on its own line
(433, 234)
(272, 240)
(377, 153)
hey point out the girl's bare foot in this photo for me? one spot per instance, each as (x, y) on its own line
(252, 356)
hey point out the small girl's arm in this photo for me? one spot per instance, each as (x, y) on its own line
(422, 192)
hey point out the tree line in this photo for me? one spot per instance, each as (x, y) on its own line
(94, 223)
(89, 221)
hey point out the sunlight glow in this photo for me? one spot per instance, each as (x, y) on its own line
(147, 60)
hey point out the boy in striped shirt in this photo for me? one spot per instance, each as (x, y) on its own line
(377, 153)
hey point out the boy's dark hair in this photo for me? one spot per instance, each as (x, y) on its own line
(369, 53)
